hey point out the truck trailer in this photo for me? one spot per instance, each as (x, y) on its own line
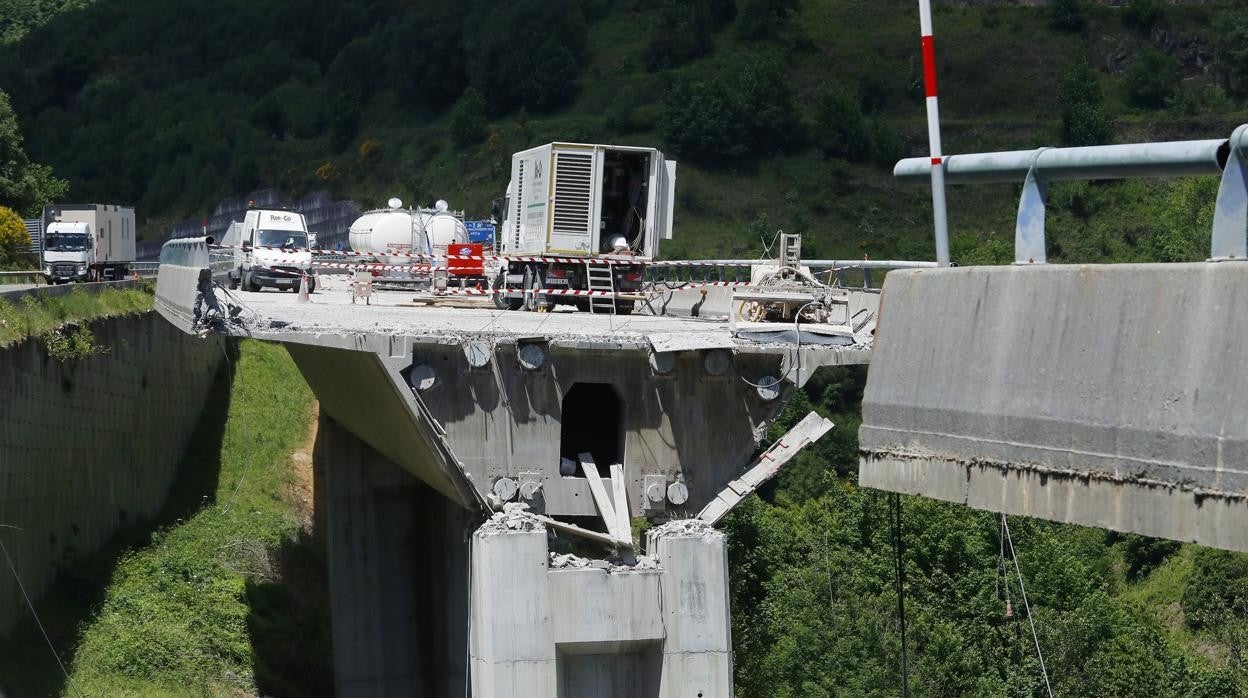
(585, 219)
(87, 242)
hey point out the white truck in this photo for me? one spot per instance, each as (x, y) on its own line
(272, 247)
(87, 242)
(586, 218)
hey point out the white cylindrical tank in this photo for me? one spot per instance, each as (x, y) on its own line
(444, 229)
(391, 232)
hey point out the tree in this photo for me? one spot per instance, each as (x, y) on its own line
(735, 113)
(1153, 79)
(1231, 42)
(24, 186)
(1084, 120)
(14, 240)
(1067, 15)
(468, 118)
(842, 129)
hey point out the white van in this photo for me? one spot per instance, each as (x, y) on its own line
(272, 247)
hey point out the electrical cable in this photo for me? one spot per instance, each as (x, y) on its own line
(899, 553)
(1026, 606)
(29, 604)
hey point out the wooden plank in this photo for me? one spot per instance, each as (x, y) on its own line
(599, 492)
(623, 520)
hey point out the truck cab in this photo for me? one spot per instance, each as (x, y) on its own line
(272, 248)
(67, 251)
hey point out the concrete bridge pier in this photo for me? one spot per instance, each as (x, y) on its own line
(571, 627)
(398, 561)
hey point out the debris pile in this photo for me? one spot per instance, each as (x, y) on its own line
(514, 517)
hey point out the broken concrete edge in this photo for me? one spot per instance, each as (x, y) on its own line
(516, 518)
(869, 458)
(1140, 506)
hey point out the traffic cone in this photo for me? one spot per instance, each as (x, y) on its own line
(303, 288)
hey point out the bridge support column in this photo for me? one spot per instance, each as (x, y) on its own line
(576, 627)
(397, 556)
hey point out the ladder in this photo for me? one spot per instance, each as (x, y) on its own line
(601, 277)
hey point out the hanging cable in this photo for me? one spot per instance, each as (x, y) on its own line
(29, 604)
(899, 552)
(1005, 526)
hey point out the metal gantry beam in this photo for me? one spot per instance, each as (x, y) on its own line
(1036, 168)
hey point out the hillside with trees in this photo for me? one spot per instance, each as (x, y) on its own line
(784, 114)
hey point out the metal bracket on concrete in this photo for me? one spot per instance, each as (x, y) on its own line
(809, 430)
(1230, 215)
(1029, 225)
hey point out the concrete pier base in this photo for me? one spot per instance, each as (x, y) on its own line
(660, 629)
(398, 558)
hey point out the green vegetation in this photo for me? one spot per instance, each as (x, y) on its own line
(784, 114)
(228, 597)
(14, 241)
(795, 110)
(44, 315)
(815, 609)
(203, 602)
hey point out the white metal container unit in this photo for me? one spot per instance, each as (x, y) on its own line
(572, 203)
(576, 199)
(88, 242)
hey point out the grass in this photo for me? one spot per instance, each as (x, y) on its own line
(229, 596)
(182, 615)
(39, 314)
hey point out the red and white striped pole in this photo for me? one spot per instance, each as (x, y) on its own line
(939, 215)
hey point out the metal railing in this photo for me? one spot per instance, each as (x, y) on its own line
(710, 271)
(1035, 168)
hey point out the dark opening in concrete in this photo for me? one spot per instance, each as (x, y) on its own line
(593, 421)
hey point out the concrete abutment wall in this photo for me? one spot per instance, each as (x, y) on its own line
(94, 444)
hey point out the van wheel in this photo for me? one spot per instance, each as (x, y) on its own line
(234, 282)
(251, 285)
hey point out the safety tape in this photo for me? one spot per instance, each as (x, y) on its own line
(470, 258)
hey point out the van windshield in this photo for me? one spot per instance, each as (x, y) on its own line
(282, 238)
(66, 242)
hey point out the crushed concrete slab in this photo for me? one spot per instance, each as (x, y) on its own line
(513, 518)
(684, 528)
(570, 561)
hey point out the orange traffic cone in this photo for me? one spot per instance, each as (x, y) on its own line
(303, 288)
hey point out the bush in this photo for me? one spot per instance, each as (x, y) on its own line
(1067, 15)
(1144, 554)
(1217, 588)
(1084, 120)
(842, 130)
(1153, 80)
(1143, 15)
(1231, 42)
(14, 240)
(736, 113)
(468, 118)
(683, 31)
(761, 19)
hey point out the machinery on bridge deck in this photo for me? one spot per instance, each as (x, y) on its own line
(582, 220)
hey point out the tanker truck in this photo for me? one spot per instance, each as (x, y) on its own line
(400, 236)
(585, 219)
(87, 242)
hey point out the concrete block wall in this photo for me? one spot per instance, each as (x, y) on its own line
(93, 444)
(1102, 395)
